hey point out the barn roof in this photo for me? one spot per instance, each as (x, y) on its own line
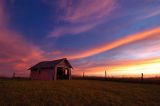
(49, 64)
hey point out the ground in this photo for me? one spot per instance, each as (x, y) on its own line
(77, 92)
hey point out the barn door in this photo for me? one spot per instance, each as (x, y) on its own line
(59, 73)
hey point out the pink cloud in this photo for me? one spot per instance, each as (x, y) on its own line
(82, 15)
(71, 30)
(153, 14)
(148, 14)
(16, 54)
(87, 10)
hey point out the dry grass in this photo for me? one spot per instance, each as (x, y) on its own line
(77, 92)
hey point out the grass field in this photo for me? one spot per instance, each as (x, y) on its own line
(77, 92)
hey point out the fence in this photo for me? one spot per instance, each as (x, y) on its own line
(140, 79)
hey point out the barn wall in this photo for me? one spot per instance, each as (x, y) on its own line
(45, 74)
(34, 75)
(55, 73)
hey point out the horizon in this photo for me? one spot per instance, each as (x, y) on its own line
(118, 36)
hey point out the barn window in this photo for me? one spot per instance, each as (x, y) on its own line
(39, 71)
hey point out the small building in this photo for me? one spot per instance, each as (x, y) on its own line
(51, 70)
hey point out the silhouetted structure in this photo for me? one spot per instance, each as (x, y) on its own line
(51, 70)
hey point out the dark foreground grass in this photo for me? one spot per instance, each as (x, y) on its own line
(77, 92)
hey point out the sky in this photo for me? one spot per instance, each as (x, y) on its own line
(121, 37)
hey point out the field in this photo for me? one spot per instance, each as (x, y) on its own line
(77, 92)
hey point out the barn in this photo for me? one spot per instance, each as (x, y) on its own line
(51, 70)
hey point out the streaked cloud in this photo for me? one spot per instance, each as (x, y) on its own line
(71, 30)
(82, 15)
(149, 13)
(87, 10)
(117, 43)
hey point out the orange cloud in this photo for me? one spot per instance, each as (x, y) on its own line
(117, 43)
(147, 66)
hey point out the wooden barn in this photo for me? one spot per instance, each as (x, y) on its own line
(51, 70)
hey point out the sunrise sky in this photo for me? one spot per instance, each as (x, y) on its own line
(119, 36)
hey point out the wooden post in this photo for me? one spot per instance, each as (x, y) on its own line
(142, 76)
(83, 75)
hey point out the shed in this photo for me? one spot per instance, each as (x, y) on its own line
(51, 70)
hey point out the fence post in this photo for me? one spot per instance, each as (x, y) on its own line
(142, 76)
(83, 75)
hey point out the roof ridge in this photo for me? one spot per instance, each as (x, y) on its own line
(49, 63)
